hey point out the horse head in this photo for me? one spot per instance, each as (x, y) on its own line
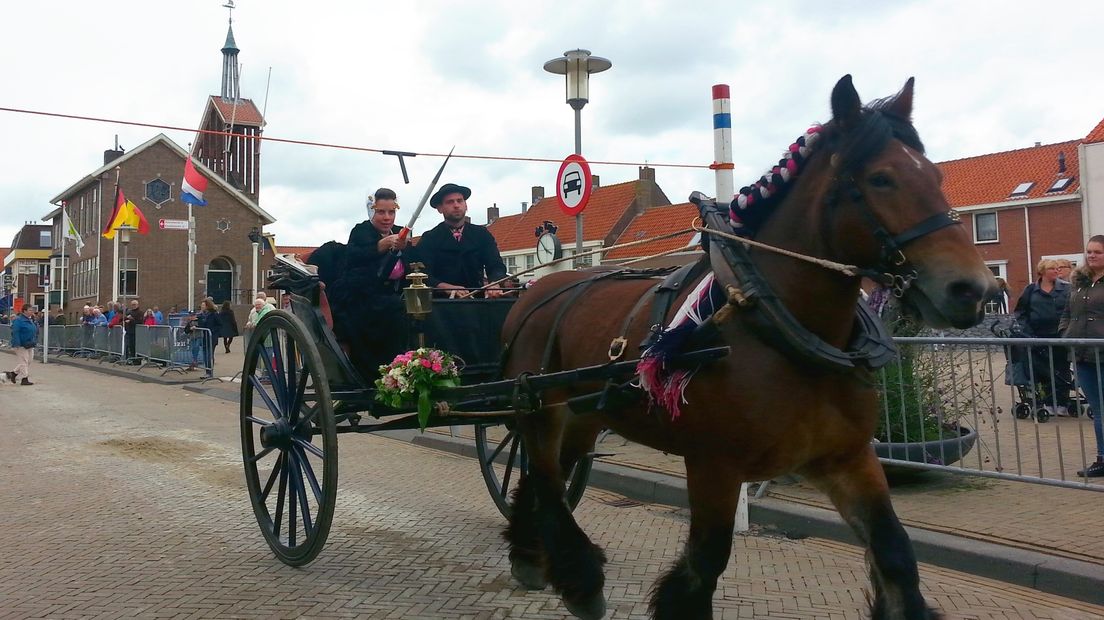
(883, 184)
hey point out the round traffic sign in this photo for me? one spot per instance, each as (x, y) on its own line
(574, 184)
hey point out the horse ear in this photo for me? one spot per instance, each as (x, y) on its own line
(901, 105)
(846, 106)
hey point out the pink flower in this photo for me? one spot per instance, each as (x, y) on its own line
(436, 367)
(426, 363)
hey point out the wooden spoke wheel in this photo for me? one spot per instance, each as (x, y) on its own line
(289, 438)
(503, 463)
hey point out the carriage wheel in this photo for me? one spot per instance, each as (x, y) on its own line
(504, 463)
(1042, 415)
(1022, 411)
(289, 442)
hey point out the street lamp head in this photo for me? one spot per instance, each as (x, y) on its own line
(255, 235)
(576, 67)
(124, 231)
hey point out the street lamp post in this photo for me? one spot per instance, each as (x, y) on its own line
(576, 67)
(255, 239)
(123, 233)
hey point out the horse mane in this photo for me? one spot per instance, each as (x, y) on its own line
(755, 203)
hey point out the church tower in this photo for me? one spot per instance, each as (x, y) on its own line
(237, 157)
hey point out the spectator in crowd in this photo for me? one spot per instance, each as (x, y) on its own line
(228, 325)
(999, 300)
(1084, 318)
(110, 312)
(209, 319)
(132, 318)
(1038, 311)
(195, 338)
(158, 318)
(172, 310)
(148, 318)
(24, 335)
(260, 308)
(98, 317)
(86, 315)
(59, 318)
(1065, 267)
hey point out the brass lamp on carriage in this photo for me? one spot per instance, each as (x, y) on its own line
(418, 297)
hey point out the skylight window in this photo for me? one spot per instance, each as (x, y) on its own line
(1022, 189)
(1060, 184)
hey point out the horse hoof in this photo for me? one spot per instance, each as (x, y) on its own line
(592, 607)
(530, 576)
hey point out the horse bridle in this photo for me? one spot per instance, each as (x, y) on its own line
(893, 270)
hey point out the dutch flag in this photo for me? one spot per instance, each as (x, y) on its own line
(193, 185)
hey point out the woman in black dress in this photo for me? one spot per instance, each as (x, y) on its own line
(228, 325)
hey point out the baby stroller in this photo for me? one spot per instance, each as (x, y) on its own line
(1042, 378)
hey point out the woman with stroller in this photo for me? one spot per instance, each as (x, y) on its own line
(1084, 318)
(1038, 312)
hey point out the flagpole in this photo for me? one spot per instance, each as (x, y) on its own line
(115, 238)
(191, 259)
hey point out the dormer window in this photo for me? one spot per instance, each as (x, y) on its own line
(1060, 185)
(1022, 189)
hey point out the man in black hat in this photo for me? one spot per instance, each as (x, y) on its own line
(459, 255)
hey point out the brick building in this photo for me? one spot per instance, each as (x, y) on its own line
(154, 267)
(27, 263)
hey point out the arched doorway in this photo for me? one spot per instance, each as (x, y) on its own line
(220, 278)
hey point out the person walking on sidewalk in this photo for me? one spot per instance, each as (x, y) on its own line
(1084, 318)
(228, 325)
(24, 335)
(209, 320)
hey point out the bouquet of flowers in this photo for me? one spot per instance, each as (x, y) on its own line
(412, 376)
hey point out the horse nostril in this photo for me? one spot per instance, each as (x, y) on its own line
(966, 291)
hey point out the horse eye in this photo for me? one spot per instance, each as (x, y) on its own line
(880, 179)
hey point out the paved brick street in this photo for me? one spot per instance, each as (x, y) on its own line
(127, 499)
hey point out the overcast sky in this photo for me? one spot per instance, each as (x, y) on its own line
(423, 76)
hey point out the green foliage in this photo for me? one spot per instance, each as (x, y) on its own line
(927, 392)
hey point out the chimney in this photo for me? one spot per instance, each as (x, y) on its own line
(538, 194)
(595, 182)
(492, 214)
(645, 189)
(1038, 144)
(1061, 162)
(112, 155)
(524, 207)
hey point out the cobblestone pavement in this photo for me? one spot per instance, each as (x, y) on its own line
(125, 499)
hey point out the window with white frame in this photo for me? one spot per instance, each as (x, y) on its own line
(511, 263)
(128, 277)
(985, 228)
(530, 261)
(86, 276)
(57, 280)
(44, 239)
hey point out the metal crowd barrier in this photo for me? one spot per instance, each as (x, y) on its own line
(1009, 408)
(173, 349)
(5, 335)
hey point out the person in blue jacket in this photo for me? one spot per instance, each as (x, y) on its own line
(24, 336)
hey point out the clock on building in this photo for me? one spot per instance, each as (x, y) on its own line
(548, 248)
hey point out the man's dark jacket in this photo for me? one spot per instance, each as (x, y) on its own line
(459, 262)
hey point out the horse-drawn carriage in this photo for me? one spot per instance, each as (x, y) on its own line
(795, 395)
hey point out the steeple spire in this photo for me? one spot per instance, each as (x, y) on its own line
(230, 91)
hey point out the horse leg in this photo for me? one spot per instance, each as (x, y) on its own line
(542, 530)
(686, 590)
(858, 489)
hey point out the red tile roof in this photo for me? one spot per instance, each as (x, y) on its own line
(656, 221)
(3, 255)
(991, 178)
(302, 252)
(247, 113)
(1097, 134)
(607, 205)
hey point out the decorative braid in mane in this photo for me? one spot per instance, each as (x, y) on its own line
(751, 204)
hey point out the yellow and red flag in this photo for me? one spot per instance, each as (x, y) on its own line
(126, 213)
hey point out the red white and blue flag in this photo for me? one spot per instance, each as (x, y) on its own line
(193, 185)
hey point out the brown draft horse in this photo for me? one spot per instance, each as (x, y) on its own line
(757, 413)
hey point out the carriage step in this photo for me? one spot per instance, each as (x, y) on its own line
(599, 455)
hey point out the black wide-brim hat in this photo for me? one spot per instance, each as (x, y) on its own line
(448, 188)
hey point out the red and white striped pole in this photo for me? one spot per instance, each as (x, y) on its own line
(722, 143)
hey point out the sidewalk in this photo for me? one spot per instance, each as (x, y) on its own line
(1043, 537)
